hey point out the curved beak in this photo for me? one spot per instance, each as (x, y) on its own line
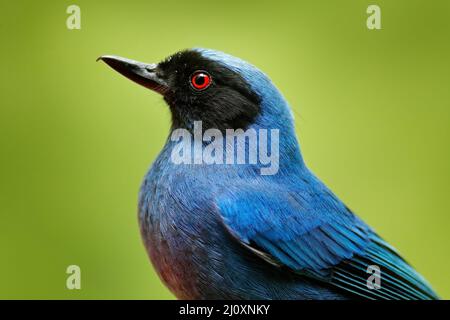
(139, 72)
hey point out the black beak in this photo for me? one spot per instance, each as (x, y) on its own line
(139, 72)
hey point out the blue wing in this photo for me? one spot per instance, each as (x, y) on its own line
(312, 232)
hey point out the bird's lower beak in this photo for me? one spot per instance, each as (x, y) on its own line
(139, 72)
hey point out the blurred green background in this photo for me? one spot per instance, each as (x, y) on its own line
(372, 112)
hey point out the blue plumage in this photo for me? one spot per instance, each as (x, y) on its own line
(227, 232)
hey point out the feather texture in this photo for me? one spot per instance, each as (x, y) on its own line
(311, 232)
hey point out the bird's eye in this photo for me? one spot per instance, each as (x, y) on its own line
(200, 80)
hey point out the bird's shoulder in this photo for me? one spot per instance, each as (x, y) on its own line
(306, 218)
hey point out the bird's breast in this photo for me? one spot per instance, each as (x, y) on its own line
(176, 228)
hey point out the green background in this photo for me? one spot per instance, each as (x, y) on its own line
(372, 112)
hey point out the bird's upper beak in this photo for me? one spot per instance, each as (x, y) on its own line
(139, 72)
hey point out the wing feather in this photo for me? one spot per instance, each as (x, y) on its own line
(314, 234)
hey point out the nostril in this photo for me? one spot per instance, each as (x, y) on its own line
(151, 68)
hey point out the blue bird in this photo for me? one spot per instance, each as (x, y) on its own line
(227, 230)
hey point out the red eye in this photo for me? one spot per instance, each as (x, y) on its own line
(200, 80)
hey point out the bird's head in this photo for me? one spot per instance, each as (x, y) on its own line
(222, 91)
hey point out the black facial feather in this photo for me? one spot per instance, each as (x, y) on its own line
(228, 103)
